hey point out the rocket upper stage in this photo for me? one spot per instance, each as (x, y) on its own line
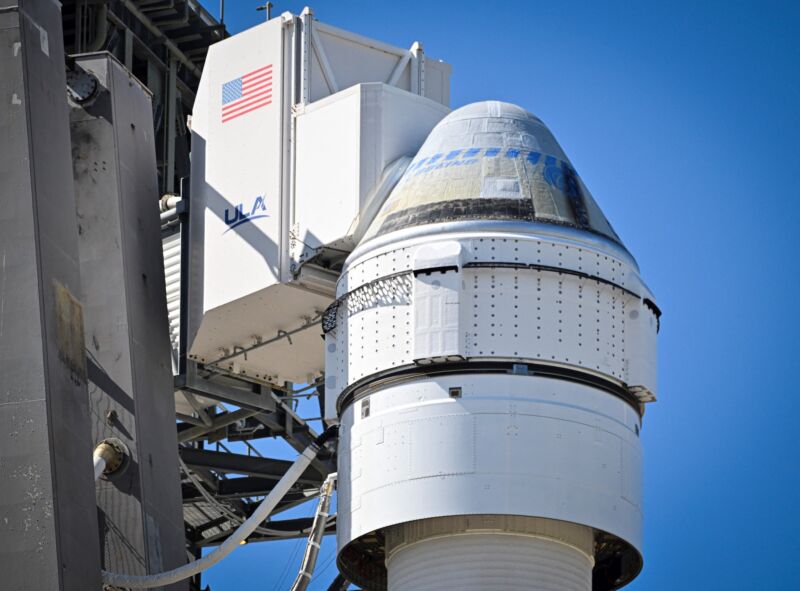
(491, 161)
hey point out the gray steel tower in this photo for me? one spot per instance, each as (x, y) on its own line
(48, 517)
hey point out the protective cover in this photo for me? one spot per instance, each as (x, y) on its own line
(491, 160)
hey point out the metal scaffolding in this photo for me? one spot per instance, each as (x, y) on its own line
(164, 44)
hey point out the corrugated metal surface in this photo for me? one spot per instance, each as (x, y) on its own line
(500, 562)
(172, 275)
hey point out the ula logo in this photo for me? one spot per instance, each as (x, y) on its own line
(238, 216)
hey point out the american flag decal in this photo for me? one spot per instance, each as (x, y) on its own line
(248, 93)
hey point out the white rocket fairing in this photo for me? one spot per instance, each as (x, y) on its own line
(488, 356)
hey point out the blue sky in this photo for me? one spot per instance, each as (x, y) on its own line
(683, 119)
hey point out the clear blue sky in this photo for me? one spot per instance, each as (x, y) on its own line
(683, 119)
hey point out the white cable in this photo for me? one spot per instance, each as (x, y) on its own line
(304, 577)
(99, 466)
(233, 517)
(107, 457)
(233, 541)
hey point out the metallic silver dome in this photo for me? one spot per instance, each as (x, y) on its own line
(490, 161)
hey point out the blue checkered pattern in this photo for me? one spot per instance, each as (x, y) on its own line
(231, 91)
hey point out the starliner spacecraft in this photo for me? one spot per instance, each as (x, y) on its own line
(491, 347)
(476, 332)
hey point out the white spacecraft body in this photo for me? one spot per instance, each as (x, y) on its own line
(488, 355)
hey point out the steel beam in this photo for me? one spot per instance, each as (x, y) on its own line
(125, 318)
(192, 382)
(158, 34)
(48, 516)
(229, 463)
(232, 489)
(219, 422)
(291, 529)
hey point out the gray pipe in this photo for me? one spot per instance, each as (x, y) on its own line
(315, 537)
(101, 29)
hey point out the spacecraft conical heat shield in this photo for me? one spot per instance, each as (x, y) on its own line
(491, 161)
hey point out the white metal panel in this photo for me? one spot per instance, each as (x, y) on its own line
(501, 242)
(437, 330)
(374, 332)
(336, 375)
(537, 250)
(380, 339)
(632, 475)
(437, 81)
(534, 313)
(283, 316)
(438, 255)
(237, 218)
(345, 142)
(243, 220)
(241, 187)
(353, 59)
(327, 187)
(510, 445)
(436, 302)
(642, 358)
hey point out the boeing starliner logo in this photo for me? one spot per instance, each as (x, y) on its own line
(554, 171)
(237, 216)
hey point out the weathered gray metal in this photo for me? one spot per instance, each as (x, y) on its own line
(48, 518)
(125, 319)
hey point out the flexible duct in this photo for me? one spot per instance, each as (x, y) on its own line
(108, 457)
(315, 537)
(99, 466)
(101, 29)
(236, 538)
